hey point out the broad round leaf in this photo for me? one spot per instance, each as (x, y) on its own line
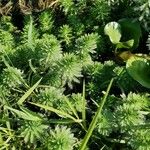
(113, 30)
(139, 68)
(130, 30)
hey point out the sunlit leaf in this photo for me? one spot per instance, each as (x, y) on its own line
(113, 30)
(127, 44)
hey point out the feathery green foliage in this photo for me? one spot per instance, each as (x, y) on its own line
(46, 22)
(60, 138)
(55, 66)
(32, 131)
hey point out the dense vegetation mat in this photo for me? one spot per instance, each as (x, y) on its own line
(75, 74)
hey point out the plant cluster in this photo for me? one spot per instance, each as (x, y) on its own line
(73, 77)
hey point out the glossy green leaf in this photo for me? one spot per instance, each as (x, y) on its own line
(130, 30)
(113, 30)
(139, 68)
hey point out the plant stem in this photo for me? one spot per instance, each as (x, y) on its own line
(83, 105)
(93, 123)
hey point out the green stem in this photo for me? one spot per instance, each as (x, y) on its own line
(94, 121)
(84, 105)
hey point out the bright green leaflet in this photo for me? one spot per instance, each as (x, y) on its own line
(113, 30)
(127, 44)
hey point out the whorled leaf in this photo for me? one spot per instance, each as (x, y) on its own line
(32, 131)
